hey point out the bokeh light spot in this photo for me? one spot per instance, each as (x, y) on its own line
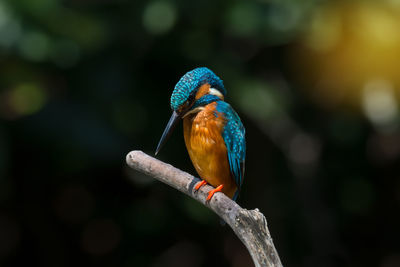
(65, 53)
(34, 46)
(303, 149)
(26, 99)
(159, 17)
(379, 26)
(380, 105)
(4, 16)
(284, 18)
(243, 19)
(325, 30)
(259, 100)
(394, 3)
(10, 29)
(38, 7)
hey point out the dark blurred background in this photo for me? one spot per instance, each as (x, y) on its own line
(82, 83)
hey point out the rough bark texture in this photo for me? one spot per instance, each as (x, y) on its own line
(249, 225)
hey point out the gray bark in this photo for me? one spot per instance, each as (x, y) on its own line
(249, 225)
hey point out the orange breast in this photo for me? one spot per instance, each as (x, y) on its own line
(207, 150)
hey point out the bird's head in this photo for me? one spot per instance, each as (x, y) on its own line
(194, 85)
(194, 90)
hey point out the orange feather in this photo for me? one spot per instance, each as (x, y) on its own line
(206, 147)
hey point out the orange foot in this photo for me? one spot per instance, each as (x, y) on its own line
(212, 192)
(200, 184)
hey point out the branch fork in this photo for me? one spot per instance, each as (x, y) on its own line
(249, 225)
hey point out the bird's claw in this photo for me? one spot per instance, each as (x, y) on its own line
(200, 184)
(212, 192)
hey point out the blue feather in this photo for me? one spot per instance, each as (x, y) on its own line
(234, 137)
(204, 100)
(191, 81)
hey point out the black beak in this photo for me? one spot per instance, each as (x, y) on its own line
(173, 121)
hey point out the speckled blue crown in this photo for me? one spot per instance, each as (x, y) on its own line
(192, 81)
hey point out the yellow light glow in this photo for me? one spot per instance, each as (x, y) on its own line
(26, 99)
(379, 103)
(346, 46)
(325, 30)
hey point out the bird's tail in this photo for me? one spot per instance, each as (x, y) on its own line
(236, 195)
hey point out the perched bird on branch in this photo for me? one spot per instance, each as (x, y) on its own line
(214, 135)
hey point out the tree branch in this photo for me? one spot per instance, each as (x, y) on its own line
(249, 225)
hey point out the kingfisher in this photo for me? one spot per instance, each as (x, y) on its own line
(214, 135)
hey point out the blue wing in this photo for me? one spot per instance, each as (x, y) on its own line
(234, 137)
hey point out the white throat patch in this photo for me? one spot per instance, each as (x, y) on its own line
(216, 92)
(198, 109)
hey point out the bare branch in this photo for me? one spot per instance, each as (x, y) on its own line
(249, 225)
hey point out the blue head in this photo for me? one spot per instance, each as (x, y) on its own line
(195, 89)
(187, 87)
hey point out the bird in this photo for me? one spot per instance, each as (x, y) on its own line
(213, 132)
